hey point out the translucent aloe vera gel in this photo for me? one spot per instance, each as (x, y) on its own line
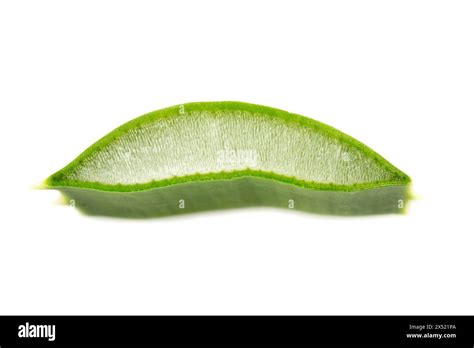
(217, 155)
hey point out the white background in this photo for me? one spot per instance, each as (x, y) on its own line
(397, 75)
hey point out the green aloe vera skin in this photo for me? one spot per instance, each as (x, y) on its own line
(219, 155)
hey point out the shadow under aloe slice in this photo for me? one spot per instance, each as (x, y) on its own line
(218, 155)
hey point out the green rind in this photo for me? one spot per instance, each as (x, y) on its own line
(199, 196)
(57, 180)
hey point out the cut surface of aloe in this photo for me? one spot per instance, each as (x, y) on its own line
(217, 155)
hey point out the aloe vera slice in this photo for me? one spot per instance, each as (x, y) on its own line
(217, 155)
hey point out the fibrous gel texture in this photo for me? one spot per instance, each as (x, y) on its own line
(235, 154)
